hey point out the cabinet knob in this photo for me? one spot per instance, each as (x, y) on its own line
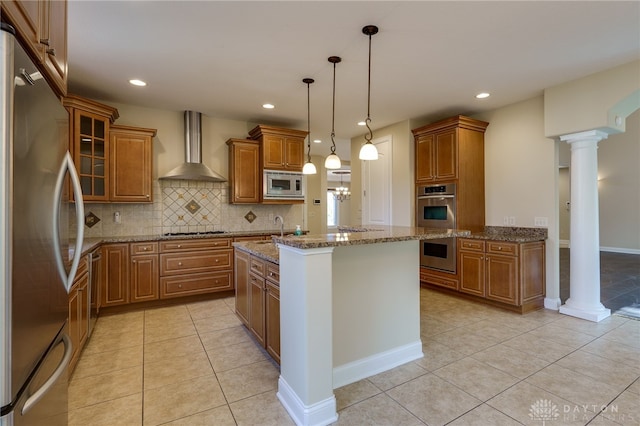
(133, 261)
(44, 41)
(270, 274)
(179, 285)
(148, 196)
(145, 248)
(499, 248)
(217, 260)
(51, 52)
(217, 281)
(179, 245)
(179, 263)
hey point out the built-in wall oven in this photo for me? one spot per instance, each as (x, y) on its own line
(436, 208)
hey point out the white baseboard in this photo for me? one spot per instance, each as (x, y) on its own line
(319, 414)
(551, 303)
(567, 244)
(620, 250)
(375, 364)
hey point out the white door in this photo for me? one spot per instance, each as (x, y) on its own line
(376, 185)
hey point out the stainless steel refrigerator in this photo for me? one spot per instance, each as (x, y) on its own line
(37, 264)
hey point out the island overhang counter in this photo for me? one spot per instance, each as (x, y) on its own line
(349, 309)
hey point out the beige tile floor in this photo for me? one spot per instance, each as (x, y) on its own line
(196, 365)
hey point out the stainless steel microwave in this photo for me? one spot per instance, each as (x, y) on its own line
(278, 185)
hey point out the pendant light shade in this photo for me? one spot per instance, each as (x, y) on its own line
(309, 168)
(333, 161)
(369, 150)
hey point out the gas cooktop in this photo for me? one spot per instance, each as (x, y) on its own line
(172, 234)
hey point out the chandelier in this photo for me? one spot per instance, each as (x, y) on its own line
(341, 193)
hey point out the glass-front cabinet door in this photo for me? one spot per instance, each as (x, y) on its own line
(90, 124)
(91, 153)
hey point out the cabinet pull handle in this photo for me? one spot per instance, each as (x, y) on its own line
(51, 52)
(44, 41)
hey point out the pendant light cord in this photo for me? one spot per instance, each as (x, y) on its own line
(333, 108)
(308, 81)
(369, 30)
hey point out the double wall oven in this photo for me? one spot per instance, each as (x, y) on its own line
(436, 208)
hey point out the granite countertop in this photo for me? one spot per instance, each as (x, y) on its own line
(266, 250)
(90, 244)
(511, 234)
(349, 236)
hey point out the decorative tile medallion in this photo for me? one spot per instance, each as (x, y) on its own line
(192, 207)
(91, 219)
(250, 216)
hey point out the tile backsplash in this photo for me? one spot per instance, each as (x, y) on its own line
(185, 206)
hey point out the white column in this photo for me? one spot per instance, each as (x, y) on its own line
(584, 296)
(305, 387)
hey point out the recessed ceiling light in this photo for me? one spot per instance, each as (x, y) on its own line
(361, 123)
(317, 141)
(137, 82)
(268, 106)
(482, 95)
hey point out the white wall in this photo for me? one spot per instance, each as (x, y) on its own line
(521, 174)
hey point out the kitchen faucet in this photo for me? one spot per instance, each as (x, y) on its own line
(281, 224)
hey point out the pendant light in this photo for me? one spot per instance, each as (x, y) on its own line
(333, 161)
(309, 168)
(369, 150)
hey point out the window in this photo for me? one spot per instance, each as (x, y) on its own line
(332, 210)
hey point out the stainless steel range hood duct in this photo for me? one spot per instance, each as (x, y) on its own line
(193, 169)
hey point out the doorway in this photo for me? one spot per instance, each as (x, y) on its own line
(376, 185)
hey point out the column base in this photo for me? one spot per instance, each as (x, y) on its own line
(552, 303)
(595, 315)
(319, 414)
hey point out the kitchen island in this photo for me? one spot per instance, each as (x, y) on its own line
(349, 309)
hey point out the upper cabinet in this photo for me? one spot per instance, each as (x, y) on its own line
(282, 149)
(130, 171)
(444, 148)
(244, 171)
(42, 27)
(114, 163)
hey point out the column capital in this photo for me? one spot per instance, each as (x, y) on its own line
(588, 136)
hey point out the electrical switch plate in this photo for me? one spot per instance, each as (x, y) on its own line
(505, 220)
(541, 221)
(512, 221)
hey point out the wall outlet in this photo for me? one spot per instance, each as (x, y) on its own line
(505, 220)
(271, 218)
(116, 217)
(541, 221)
(512, 221)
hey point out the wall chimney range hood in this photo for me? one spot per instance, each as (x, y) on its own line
(192, 168)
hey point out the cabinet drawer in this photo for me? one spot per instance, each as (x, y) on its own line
(501, 247)
(194, 262)
(195, 244)
(471, 245)
(144, 248)
(273, 273)
(257, 266)
(184, 285)
(426, 277)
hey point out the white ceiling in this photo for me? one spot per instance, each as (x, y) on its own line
(225, 59)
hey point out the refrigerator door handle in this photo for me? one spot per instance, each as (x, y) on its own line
(42, 391)
(67, 165)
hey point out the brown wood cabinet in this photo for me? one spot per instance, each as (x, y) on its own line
(79, 311)
(89, 130)
(257, 284)
(130, 162)
(452, 151)
(282, 149)
(115, 275)
(245, 175)
(504, 272)
(199, 266)
(42, 26)
(145, 277)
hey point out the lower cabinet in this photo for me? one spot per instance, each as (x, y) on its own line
(198, 266)
(115, 275)
(257, 284)
(79, 311)
(504, 272)
(145, 276)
